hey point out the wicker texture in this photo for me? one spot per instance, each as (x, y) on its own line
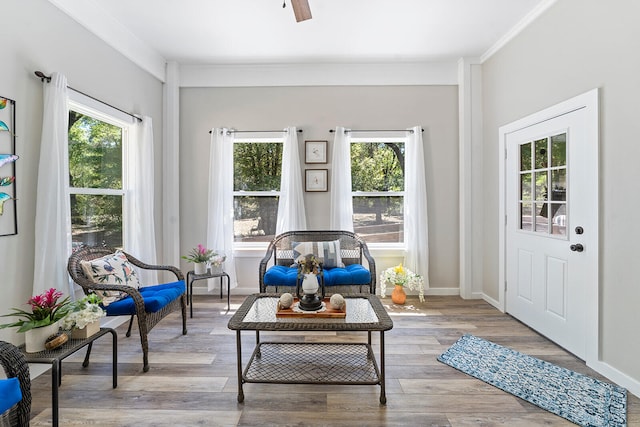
(353, 250)
(146, 321)
(15, 365)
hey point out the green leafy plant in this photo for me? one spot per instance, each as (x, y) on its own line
(46, 309)
(200, 254)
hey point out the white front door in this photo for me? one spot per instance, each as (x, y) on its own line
(551, 184)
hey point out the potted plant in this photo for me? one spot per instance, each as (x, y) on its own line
(201, 257)
(399, 277)
(84, 317)
(42, 321)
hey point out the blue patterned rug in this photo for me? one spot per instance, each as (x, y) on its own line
(580, 399)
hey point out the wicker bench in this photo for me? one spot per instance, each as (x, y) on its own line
(277, 271)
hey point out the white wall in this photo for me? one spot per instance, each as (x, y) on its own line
(575, 46)
(316, 110)
(35, 35)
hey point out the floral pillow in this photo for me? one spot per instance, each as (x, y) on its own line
(113, 269)
(328, 253)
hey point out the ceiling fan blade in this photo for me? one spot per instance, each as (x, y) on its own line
(301, 9)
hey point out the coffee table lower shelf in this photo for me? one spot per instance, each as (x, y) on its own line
(312, 363)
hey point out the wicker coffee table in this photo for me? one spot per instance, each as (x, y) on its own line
(311, 363)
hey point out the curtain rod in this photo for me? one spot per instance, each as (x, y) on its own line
(375, 130)
(44, 77)
(257, 131)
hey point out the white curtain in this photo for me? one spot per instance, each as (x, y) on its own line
(291, 213)
(341, 208)
(53, 222)
(220, 203)
(416, 233)
(139, 236)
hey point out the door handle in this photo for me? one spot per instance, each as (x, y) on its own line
(577, 247)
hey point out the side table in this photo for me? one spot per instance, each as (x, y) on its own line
(192, 277)
(56, 356)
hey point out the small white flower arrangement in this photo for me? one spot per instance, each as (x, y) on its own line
(83, 312)
(401, 276)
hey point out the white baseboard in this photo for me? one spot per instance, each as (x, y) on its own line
(620, 378)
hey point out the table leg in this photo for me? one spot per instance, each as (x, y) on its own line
(228, 291)
(114, 348)
(383, 396)
(55, 383)
(239, 353)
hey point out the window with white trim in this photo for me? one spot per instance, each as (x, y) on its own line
(96, 147)
(377, 183)
(257, 169)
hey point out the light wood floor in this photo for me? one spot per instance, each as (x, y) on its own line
(192, 380)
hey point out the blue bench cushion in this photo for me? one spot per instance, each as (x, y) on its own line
(155, 298)
(353, 274)
(10, 393)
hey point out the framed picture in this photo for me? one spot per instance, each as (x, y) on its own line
(315, 179)
(315, 151)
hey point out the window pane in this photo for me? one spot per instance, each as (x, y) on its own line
(257, 166)
(95, 153)
(525, 157)
(379, 219)
(541, 153)
(525, 216)
(559, 221)
(525, 186)
(377, 166)
(96, 220)
(254, 218)
(541, 185)
(542, 223)
(559, 150)
(559, 185)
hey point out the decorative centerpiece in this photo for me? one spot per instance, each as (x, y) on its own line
(84, 317)
(401, 277)
(202, 258)
(308, 270)
(43, 320)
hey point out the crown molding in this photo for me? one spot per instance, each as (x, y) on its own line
(96, 20)
(521, 25)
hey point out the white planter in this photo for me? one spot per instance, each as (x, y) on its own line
(200, 268)
(35, 338)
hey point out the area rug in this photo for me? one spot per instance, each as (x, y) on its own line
(579, 398)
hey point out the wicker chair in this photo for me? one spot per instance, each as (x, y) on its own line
(15, 366)
(353, 251)
(146, 320)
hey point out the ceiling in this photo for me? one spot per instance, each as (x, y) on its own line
(217, 32)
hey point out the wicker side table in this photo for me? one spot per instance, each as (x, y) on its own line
(56, 356)
(192, 277)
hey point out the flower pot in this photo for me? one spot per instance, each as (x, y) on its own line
(216, 269)
(200, 268)
(398, 296)
(87, 331)
(35, 338)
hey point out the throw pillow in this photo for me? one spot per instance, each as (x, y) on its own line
(113, 269)
(328, 253)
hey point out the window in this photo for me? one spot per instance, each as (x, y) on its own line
(96, 147)
(377, 182)
(256, 188)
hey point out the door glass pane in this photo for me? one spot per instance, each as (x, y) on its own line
(541, 153)
(541, 185)
(525, 186)
(525, 157)
(559, 185)
(525, 216)
(559, 150)
(559, 219)
(542, 223)
(96, 220)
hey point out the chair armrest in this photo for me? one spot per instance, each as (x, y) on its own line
(133, 260)
(372, 267)
(262, 269)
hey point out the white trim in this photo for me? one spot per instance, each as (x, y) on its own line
(326, 74)
(588, 101)
(96, 20)
(521, 25)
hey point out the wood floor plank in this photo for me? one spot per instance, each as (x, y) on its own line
(192, 378)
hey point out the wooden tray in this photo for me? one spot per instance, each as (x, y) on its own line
(328, 313)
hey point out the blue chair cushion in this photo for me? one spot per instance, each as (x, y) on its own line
(155, 298)
(10, 394)
(353, 274)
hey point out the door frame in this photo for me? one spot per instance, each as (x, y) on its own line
(589, 102)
